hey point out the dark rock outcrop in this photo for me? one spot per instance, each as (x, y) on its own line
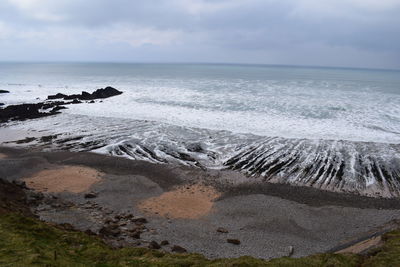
(154, 245)
(4, 91)
(90, 195)
(98, 94)
(25, 111)
(178, 249)
(164, 243)
(56, 96)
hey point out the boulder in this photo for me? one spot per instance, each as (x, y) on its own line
(178, 249)
(164, 243)
(154, 245)
(233, 241)
(90, 195)
(4, 91)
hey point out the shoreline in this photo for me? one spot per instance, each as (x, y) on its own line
(266, 218)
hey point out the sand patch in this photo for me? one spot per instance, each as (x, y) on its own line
(75, 179)
(363, 245)
(189, 202)
(3, 156)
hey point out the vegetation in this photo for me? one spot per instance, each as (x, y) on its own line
(26, 241)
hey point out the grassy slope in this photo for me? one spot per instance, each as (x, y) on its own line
(26, 241)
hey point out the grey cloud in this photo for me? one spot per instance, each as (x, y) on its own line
(350, 33)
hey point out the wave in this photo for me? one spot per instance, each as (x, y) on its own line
(365, 168)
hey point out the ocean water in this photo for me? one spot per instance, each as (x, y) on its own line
(332, 128)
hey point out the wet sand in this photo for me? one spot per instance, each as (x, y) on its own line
(186, 206)
(74, 179)
(187, 202)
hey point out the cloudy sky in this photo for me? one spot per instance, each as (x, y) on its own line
(351, 33)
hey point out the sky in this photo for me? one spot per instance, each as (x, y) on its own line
(348, 33)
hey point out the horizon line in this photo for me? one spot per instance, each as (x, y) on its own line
(196, 63)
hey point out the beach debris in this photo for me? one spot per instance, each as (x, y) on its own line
(178, 249)
(222, 230)
(164, 243)
(91, 195)
(154, 245)
(233, 241)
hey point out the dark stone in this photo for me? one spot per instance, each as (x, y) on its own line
(67, 226)
(140, 220)
(222, 230)
(56, 96)
(91, 195)
(135, 234)
(57, 108)
(76, 101)
(23, 112)
(154, 245)
(164, 243)
(4, 91)
(20, 183)
(105, 93)
(91, 102)
(233, 241)
(48, 138)
(178, 249)
(98, 94)
(1, 104)
(90, 232)
(195, 147)
(110, 230)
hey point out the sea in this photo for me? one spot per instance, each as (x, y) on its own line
(335, 129)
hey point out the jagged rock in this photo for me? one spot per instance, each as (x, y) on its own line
(91, 195)
(154, 245)
(164, 243)
(233, 241)
(98, 94)
(23, 112)
(222, 230)
(4, 91)
(178, 249)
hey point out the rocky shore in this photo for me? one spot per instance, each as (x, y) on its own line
(180, 209)
(48, 108)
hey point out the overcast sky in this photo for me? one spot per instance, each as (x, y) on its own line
(350, 33)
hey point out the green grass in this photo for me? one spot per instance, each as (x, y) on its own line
(26, 241)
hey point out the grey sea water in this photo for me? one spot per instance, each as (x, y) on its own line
(331, 128)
